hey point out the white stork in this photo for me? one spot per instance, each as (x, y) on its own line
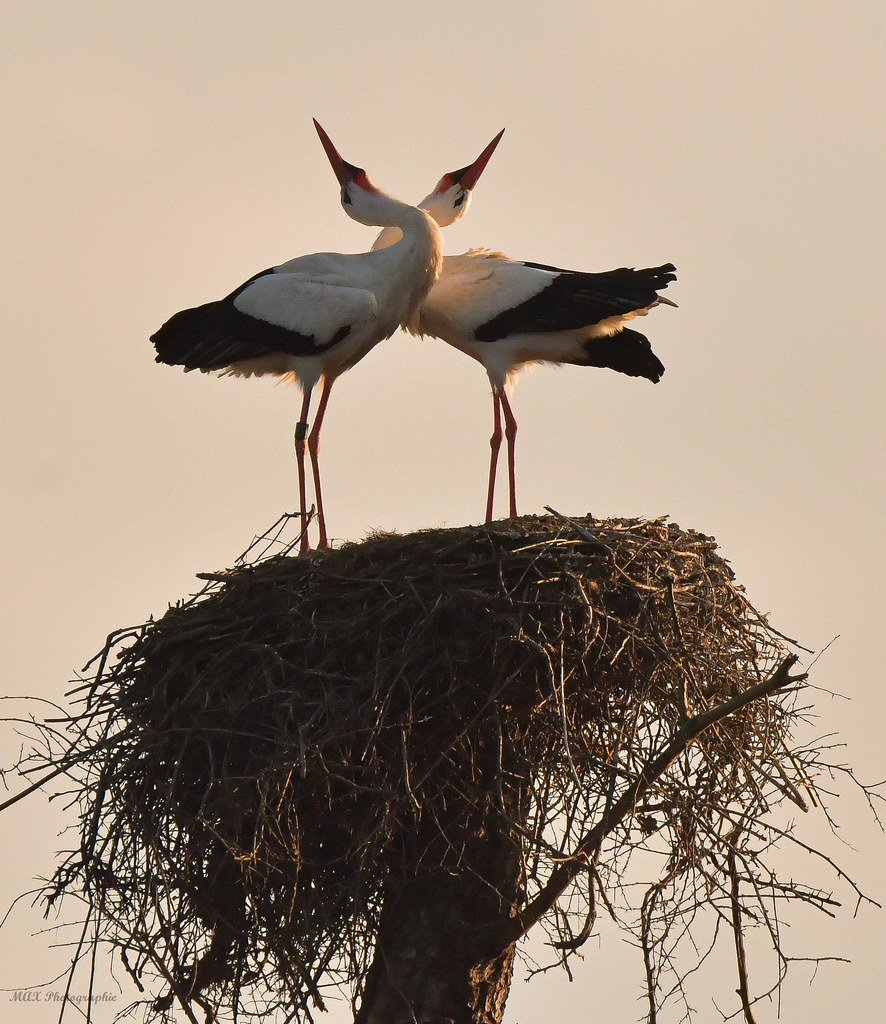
(509, 314)
(314, 316)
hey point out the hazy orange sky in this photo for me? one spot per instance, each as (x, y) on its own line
(155, 156)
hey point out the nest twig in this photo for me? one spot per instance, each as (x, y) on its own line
(257, 768)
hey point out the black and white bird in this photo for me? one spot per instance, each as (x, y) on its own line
(508, 314)
(313, 317)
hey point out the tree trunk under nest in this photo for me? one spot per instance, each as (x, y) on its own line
(439, 954)
(432, 962)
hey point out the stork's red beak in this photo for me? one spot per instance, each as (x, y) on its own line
(467, 176)
(344, 171)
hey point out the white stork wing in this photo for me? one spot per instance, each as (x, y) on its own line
(473, 289)
(271, 313)
(484, 297)
(310, 309)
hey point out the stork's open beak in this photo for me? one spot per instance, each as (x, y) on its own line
(467, 176)
(344, 171)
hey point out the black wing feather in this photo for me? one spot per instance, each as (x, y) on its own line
(574, 300)
(217, 334)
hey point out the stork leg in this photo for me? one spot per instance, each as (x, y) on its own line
(301, 433)
(511, 435)
(495, 445)
(314, 449)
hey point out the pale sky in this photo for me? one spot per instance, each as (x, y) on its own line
(155, 156)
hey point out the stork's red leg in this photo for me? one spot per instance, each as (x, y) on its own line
(495, 445)
(511, 435)
(314, 448)
(301, 432)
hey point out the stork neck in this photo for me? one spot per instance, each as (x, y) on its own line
(413, 262)
(419, 240)
(432, 205)
(413, 221)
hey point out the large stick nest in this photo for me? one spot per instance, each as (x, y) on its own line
(258, 767)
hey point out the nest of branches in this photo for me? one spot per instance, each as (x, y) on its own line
(260, 767)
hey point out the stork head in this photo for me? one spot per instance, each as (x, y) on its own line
(354, 180)
(451, 197)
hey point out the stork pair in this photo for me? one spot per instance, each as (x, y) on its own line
(314, 317)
